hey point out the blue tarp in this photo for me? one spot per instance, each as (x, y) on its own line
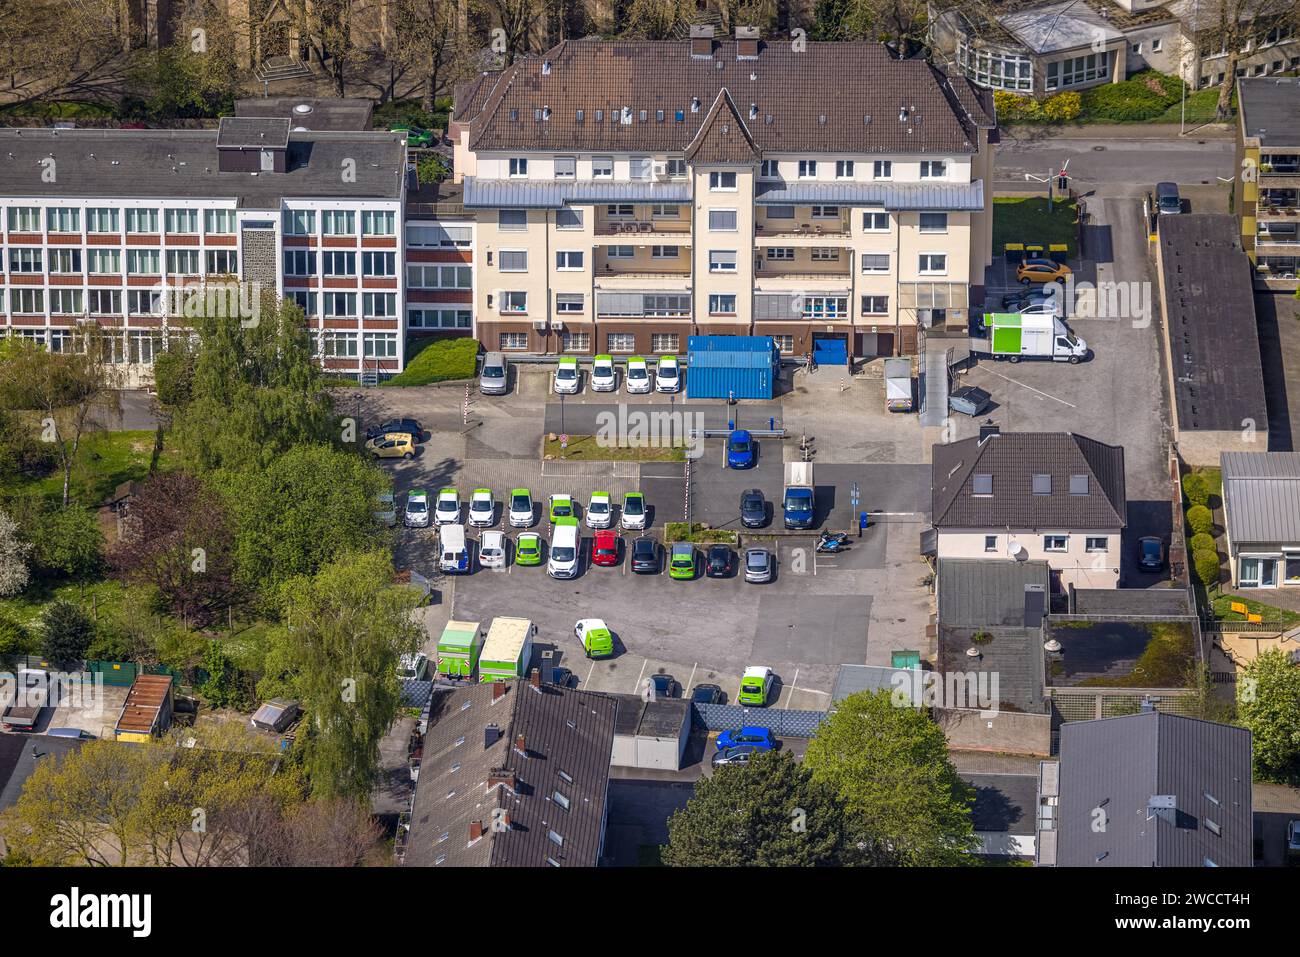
(741, 367)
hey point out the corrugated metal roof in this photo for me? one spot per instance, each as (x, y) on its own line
(492, 193)
(731, 351)
(949, 197)
(1261, 496)
(1120, 764)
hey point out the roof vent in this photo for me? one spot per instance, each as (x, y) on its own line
(695, 104)
(302, 109)
(753, 111)
(902, 114)
(866, 120)
(821, 120)
(546, 112)
(546, 68)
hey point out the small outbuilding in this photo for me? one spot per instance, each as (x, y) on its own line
(732, 367)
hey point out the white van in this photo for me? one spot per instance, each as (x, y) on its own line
(565, 546)
(453, 550)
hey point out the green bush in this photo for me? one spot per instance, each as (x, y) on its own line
(1144, 96)
(411, 113)
(1207, 567)
(1013, 108)
(431, 168)
(1202, 542)
(1196, 489)
(14, 638)
(1062, 107)
(68, 632)
(1200, 519)
(439, 361)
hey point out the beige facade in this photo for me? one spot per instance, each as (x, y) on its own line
(1082, 558)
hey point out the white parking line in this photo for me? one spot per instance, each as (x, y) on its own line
(590, 671)
(1030, 388)
(692, 678)
(636, 689)
(793, 685)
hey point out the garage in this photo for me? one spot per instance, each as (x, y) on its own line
(650, 734)
(831, 350)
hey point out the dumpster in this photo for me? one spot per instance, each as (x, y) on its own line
(1015, 253)
(1058, 252)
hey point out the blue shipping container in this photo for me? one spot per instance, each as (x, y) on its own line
(741, 367)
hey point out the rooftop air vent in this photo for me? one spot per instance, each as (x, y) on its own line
(753, 111)
(902, 114)
(302, 109)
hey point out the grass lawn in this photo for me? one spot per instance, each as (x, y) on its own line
(101, 597)
(1201, 107)
(1222, 605)
(104, 461)
(587, 448)
(681, 532)
(437, 360)
(1024, 219)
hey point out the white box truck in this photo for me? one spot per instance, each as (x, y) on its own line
(898, 384)
(507, 649)
(1016, 335)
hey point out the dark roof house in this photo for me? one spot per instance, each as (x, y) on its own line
(513, 774)
(1172, 792)
(1029, 480)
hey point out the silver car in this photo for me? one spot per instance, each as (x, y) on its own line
(494, 377)
(758, 566)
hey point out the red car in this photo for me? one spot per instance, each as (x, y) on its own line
(604, 551)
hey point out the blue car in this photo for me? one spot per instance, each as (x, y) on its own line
(755, 737)
(740, 450)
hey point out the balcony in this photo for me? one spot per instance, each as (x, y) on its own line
(1279, 170)
(643, 227)
(807, 227)
(1278, 203)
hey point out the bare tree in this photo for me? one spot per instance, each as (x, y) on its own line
(328, 28)
(430, 42)
(56, 49)
(1230, 26)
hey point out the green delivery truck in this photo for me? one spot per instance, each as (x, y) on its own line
(1014, 336)
(458, 649)
(507, 649)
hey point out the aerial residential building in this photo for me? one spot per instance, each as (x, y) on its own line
(1261, 508)
(109, 226)
(1268, 200)
(630, 194)
(1041, 496)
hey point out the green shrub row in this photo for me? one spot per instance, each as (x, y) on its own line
(439, 361)
(1060, 108)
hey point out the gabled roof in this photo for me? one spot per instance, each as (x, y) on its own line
(1117, 766)
(1261, 496)
(1011, 460)
(804, 98)
(472, 766)
(724, 137)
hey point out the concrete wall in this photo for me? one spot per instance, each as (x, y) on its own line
(1008, 732)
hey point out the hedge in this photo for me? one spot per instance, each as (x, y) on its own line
(1207, 567)
(439, 361)
(1196, 489)
(1200, 519)
(1202, 542)
(1060, 108)
(1144, 96)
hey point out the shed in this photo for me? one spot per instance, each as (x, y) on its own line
(275, 715)
(741, 367)
(148, 709)
(651, 734)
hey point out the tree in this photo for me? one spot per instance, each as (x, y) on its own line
(769, 813)
(1268, 703)
(905, 804)
(1228, 26)
(256, 392)
(347, 628)
(222, 688)
(429, 41)
(657, 19)
(67, 632)
(13, 558)
(309, 506)
(65, 541)
(74, 391)
(14, 638)
(21, 454)
(52, 50)
(326, 28)
(901, 22)
(747, 13)
(178, 538)
(521, 22)
(198, 74)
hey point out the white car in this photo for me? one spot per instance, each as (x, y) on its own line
(417, 509)
(446, 511)
(668, 374)
(638, 376)
(492, 549)
(562, 558)
(600, 510)
(414, 667)
(566, 376)
(521, 508)
(604, 377)
(482, 510)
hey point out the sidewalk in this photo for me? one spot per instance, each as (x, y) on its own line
(1115, 131)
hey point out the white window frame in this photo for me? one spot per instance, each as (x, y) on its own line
(565, 260)
(922, 269)
(718, 180)
(1050, 543)
(518, 167)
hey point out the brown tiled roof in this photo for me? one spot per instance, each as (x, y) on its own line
(832, 97)
(568, 739)
(470, 96)
(723, 138)
(1013, 459)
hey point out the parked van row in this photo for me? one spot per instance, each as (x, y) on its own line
(519, 509)
(604, 375)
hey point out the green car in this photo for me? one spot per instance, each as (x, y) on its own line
(561, 506)
(528, 549)
(414, 135)
(682, 563)
(594, 636)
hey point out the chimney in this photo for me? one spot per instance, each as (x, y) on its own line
(475, 831)
(988, 430)
(702, 41)
(535, 678)
(746, 43)
(491, 735)
(520, 745)
(499, 689)
(501, 777)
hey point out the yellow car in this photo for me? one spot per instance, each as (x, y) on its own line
(392, 445)
(1041, 270)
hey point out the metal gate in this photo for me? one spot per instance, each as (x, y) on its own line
(831, 350)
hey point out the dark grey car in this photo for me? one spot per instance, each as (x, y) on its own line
(758, 566)
(753, 508)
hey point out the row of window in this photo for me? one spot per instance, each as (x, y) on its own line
(68, 219)
(343, 305)
(343, 345)
(720, 260)
(1057, 543)
(644, 168)
(153, 302)
(616, 343)
(339, 222)
(107, 262)
(661, 305)
(337, 263)
(719, 220)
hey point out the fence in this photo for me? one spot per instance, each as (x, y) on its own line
(723, 717)
(1085, 704)
(416, 693)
